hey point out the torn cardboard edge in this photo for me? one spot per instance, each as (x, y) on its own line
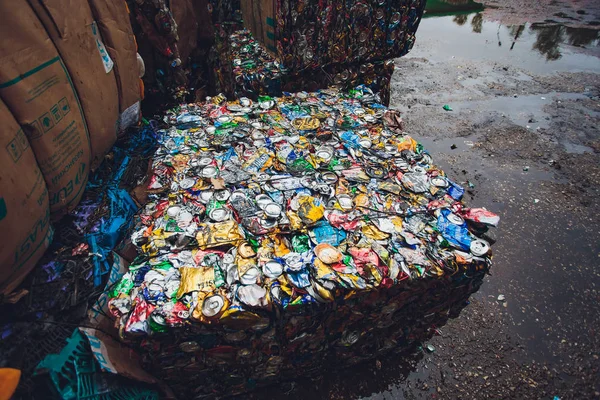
(116, 358)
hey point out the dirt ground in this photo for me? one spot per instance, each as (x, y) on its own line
(571, 12)
(525, 132)
(523, 80)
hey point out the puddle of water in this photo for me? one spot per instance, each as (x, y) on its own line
(538, 48)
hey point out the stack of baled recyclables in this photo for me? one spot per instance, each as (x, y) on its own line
(69, 86)
(320, 43)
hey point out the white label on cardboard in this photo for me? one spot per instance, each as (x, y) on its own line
(115, 357)
(99, 350)
(106, 60)
(130, 116)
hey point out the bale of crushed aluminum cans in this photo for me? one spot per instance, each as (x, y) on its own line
(291, 233)
(252, 71)
(316, 33)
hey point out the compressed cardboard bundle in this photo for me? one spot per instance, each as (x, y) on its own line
(288, 234)
(196, 37)
(184, 14)
(76, 36)
(112, 18)
(316, 33)
(25, 230)
(36, 87)
(259, 18)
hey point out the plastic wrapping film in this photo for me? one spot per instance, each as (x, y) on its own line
(291, 233)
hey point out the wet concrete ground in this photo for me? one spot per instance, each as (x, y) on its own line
(524, 132)
(525, 126)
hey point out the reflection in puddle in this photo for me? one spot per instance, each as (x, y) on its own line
(583, 36)
(469, 35)
(548, 36)
(477, 22)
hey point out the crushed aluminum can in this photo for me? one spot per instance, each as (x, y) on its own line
(327, 253)
(272, 210)
(439, 182)
(222, 195)
(219, 214)
(272, 269)
(187, 183)
(479, 247)
(210, 171)
(325, 153)
(214, 305)
(345, 202)
(455, 219)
